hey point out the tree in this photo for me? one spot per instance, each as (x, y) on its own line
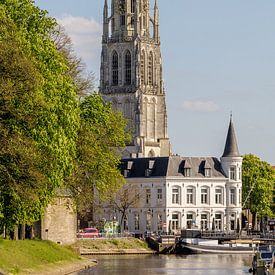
(258, 179)
(126, 197)
(39, 113)
(100, 137)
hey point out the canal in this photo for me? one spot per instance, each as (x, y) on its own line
(206, 264)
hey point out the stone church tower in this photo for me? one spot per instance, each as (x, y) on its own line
(131, 74)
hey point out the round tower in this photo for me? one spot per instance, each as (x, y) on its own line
(231, 162)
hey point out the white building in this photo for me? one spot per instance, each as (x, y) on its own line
(175, 193)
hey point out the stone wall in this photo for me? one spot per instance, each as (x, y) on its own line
(59, 223)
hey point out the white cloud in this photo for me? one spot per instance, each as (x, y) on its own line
(86, 37)
(201, 106)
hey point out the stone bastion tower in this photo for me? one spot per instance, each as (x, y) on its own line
(131, 74)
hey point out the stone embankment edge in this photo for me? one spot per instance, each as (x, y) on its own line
(63, 268)
(87, 252)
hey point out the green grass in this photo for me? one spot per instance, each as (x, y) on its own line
(111, 244)
(17, 256)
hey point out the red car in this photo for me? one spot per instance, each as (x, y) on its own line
(88, 233)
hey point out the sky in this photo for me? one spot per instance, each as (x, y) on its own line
(218, 57)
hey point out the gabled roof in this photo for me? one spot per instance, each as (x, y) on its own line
(231, 146)
(171, 166)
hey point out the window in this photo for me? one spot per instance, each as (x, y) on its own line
(159, 196)
(142, 68)
(148, 196)
(128, 68)
(232, 173)
(218, 222)
(159, 222)
(148, 220)
(133, 3)
(232, 196)
(187, 172)
(207, 172)
(190, 195)
(204, 222)
(150, 69)
(218, 196)
(113, 25)
(175, 195)
(175, 221)
(204, 195)
(115, 69)
(122, 20)
(189, 221)
(136, 221)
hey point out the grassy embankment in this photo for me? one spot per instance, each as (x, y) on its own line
(111, 245)
(26, 256)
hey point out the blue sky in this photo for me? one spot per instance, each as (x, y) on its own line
(218, 56)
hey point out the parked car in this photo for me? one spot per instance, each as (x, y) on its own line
(88, 233)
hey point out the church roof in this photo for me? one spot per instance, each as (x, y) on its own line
(171, 166)
(231, 146)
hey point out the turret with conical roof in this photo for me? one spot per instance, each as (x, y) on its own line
(231, 162)
(231, 146)
(231, 159)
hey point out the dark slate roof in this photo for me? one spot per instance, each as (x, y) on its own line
(170, 166)
(231, 146)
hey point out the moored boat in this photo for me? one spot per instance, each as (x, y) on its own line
(189, 248)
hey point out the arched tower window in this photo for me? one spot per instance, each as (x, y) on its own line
(142, 68)
(115, 69)
(133, 4)
(122, 9)
(150, 69)
(128, 68)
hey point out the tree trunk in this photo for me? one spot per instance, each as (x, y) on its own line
(31, 232)
(15, 233)
(4, 232)
(22, 231)
(254, 221)
(121, 221)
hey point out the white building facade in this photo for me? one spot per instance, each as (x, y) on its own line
(177, 193)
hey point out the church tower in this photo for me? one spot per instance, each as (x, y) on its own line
(131, 74)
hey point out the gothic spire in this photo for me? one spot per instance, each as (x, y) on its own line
(231, 146)
(105, 20)
(156, 21)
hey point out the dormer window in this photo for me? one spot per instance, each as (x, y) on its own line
(207, 172)
(187, 172)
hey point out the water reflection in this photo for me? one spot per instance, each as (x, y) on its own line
(173, 265)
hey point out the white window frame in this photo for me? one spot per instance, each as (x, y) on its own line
(175, 222)
(148, 196)
(207, 172)
(233, 196)
(232, 173)
(175, 195)
(204, 221)
(204, 195)
(218, 195)
(136, 217)
(159, 195)
(190, 196)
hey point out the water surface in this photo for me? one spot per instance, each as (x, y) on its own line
(206, 264)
